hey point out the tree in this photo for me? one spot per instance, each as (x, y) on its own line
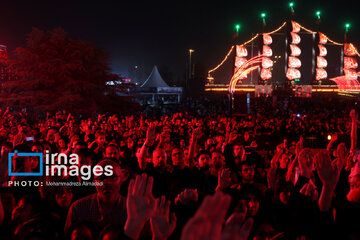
(56, 72)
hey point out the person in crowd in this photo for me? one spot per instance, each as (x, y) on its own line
(247, 177)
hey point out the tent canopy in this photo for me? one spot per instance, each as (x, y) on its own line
(154, 79)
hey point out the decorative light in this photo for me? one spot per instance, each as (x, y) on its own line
(295, 27)
(322, 51)
(263, 16)
(294, 62)
(226, 57)
(278, 29)
(267, 51)
(318, 13)
(243, 71)
(267, 39)
(237, 27)
(321, 62)
(295, 38)
(291, 5)
(347, 26)
(349, 49)
(241, 51)
(320, 74)
(322, 38)
(293, 73)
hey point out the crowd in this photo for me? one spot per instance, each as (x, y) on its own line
(183, 176)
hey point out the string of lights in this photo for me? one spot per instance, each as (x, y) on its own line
(222, 62)
(278, 29)
(312, 32)
(245, 43)
(244, 70)
(252, 39)
(272, 32)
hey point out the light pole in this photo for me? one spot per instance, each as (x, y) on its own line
(190, 66)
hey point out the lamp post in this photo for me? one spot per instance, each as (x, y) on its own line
(190, 66)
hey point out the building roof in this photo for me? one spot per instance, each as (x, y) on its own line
(154, 79)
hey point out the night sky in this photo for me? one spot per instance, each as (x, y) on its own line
(143, 34)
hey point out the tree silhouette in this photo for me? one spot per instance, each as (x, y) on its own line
(54, 71)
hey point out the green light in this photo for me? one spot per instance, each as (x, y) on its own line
(318, 13)
(347, 25)
(237, 27)
(297, 80)
(291, 4)
(263, 15)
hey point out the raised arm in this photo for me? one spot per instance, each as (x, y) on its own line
(329, 176)
(195, 136)
(144, 152)
(354, 117)
(331, 143)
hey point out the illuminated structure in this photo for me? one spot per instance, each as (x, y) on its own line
(293, 62)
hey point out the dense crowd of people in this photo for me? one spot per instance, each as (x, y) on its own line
(284, 175)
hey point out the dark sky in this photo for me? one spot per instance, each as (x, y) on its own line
(161, 32)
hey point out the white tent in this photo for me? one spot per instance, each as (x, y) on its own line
(154, 79)
(155, 90)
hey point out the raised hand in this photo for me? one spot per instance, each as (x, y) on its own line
(299, 146)
(197, 133)
(353, 114)
(328, 173)
(161, 226)
(224, 179)
(186, 196)
(150, 134)
(281, 148)
(329, 176)
(208, 219)
(309, 189)
(236, 228)
(334, 137)
(306, 163)
(140, 204)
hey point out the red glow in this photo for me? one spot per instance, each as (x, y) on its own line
(266, 63)
(239, 61)
(267, 39)
(295, 38)
(346, 83)
(295, 50)
(242, 77)
(294, 62)
(321, 62)
(322, 38)
(241, 51)
(295, 27)
(350, 62)
(293, 73)
(349, 49)
(322, 50)
(321, 74)
(267, 51)
(350, 74)
(265, 74)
